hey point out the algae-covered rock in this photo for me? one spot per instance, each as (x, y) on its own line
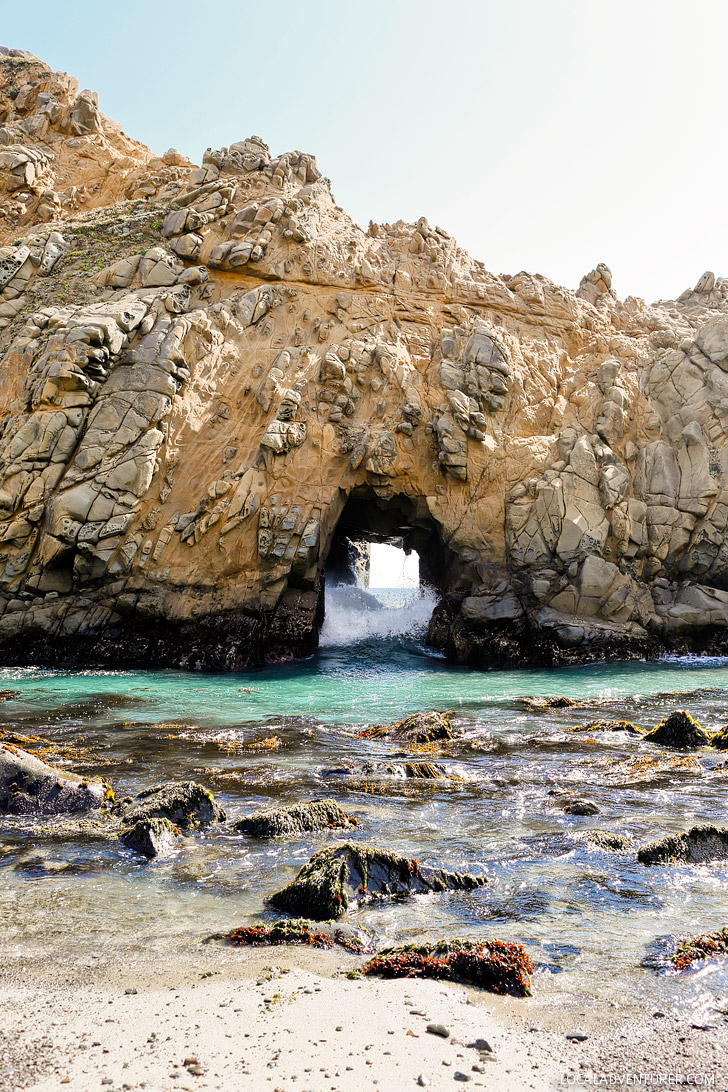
(704, 946)
(344, 875)
(608, 726)
(491, 964)
(184, 803)
(607, 840)
(696, 846)
(418, 728)
(294, 819)
(720, 739)
(302, 931)
(558, 702)
(151, 837)
(30, 787)
(679, 730)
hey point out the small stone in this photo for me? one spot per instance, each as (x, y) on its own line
(423, 1080)
(478, 1068)
(131, 991)
(481, 1044)
(577, 1037)
(658, 1014)
(462, 1076)
(439, 1029)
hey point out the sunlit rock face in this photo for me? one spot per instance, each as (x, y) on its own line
(209, 375)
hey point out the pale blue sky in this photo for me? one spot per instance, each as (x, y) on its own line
(544, 135)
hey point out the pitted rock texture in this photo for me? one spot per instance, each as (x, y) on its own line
(30, 787)
(211, 378)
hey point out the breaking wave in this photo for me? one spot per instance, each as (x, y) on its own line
(353, 615)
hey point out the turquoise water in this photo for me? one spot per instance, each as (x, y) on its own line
(588, 918)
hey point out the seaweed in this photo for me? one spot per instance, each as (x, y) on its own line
(680, 730)
(704, 946)
(493, 965)
(296, 931)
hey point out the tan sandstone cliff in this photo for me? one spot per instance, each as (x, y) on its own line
(211, 376)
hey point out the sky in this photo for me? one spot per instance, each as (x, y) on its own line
(545, 135)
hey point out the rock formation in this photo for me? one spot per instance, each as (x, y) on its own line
(211, 379)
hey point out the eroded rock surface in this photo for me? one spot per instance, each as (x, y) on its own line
(210, 376)
(345, 875)
(29, 786)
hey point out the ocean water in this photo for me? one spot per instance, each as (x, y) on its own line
(595, 923)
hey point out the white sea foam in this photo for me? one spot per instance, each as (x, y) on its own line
(352, 616)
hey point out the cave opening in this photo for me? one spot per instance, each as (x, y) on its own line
(385, 568)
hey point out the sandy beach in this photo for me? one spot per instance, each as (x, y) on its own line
(288, 1019)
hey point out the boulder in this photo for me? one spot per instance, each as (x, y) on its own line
(151, 837)
(680, 731)
(294, 819)
(417, 728)
(493, 965)
(345, 875)
(30, 787)
(184, 803)
(696, 846)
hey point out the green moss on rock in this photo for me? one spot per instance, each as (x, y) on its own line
(294, 819)
(184, 803)
(720, 739)
(418, 728)
(343, 875)
(678, 730)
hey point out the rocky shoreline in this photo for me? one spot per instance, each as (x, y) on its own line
(217, 389)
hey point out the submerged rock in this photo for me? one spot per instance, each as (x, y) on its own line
(418, 728)
(302, 931)
(337, 878)
(559, 702)
(704, 946)
(607, 840)
(696, 846)
(679, 730)
(30, 787)
(184, 803)
(294, 819)
(491, 964)
(151, 837)
(608, 726)
(581, 807)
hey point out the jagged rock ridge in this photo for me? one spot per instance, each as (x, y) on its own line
(211, 377)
